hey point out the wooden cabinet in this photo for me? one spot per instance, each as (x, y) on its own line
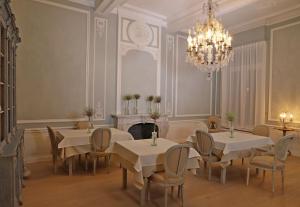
(11, 139)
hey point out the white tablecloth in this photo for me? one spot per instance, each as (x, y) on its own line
(77, 141)
(239, 143)
(144, 159)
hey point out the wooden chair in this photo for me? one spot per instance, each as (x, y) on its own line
(83, 125)
(100, 141)
(201, 126)
(273, 160)
(261, 130)
(55, 151)
(205, 146)
(214, 123)
(175, 163)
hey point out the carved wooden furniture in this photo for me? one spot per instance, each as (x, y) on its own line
(11, 139)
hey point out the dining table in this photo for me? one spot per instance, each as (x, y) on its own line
(77, 141)
(236, 147)
(143, 159)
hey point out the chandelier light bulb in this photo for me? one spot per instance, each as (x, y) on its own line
(209, 44)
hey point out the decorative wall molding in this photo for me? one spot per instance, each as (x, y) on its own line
(176, 87)
(137, 32)
(271, 69)
(100, 29)
(170, 48)
(87, 69)
(100, 26)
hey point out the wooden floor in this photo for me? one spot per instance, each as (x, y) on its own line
(44, 189)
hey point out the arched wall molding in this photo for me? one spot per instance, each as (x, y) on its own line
(141, 33)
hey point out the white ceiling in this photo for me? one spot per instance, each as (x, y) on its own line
(182, 14)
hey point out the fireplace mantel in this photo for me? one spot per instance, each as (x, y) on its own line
(124, 122)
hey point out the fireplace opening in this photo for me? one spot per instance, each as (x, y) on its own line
(142, 130)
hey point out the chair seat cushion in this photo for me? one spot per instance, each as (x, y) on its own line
(160, 177)
(266, 162)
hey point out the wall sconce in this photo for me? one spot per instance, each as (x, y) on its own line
(285, 118)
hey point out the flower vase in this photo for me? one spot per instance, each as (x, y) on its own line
(154, 137)
(157, 107)
(231, 130)
(149, 107)
(135, 109)
(126, 110)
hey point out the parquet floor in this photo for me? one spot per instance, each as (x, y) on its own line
(44, 189)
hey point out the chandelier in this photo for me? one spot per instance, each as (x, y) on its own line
(209, 44)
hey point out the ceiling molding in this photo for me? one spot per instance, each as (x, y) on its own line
(145, 12)
(107, 6)
(187, 18)
(89, 3)
(267, 20)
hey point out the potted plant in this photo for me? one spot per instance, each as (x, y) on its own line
(89, 112)
(155, 115)
(230, 116)
(127, 99)
(136, 97)
(157, 101)
(149, 100)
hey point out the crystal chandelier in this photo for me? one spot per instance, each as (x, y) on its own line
(209, 44)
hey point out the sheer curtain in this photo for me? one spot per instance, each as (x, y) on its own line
(243, 86)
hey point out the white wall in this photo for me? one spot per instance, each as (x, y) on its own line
(70, 58)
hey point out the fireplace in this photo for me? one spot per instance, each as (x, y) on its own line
(141, 125)
(143, 130)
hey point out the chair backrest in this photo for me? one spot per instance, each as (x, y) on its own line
(214, 120)
(204, 143)
(100, 139)
(83, 125)
(282, 146)
(261, 130)
(176, 159)
(201, 126)
(53, 140)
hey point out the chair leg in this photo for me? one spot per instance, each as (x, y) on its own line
(178, 192)
(54, 166)
(282, 179)
(273, 181)
(70, 163)
(205, 164)
(94, 165)
(166, 196)
(257, 171)
(172, 190)
(223, 175)
(86, 162)
(248, 176)
(182, 198)
(209, 171)
(264, 175)
(242, 161)
(148, 190)
(108, 163)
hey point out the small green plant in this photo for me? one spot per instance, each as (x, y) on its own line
(155, 115)
(157, 99)
(230, 116)
(127, 97)
(136, 96)
(150, 98)
(89, 112)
